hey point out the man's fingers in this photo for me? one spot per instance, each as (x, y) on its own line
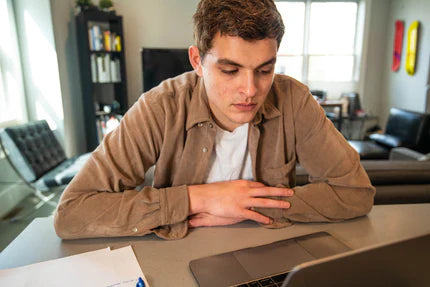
(267, 202)
(271, 191)
(252, 215)
(254, 183)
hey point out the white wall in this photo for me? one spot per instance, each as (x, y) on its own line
(39, 61)
(398, 88)
(63, 15)
(373, 54)
(155, 24)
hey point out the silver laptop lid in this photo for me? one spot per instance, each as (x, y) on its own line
(404, 263)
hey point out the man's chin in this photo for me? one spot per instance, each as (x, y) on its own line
(243, 119)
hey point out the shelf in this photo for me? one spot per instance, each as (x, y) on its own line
(102, 71)
(105, 52)
(107, 83)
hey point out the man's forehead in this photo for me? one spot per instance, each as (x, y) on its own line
(226, 61)
(234, 50)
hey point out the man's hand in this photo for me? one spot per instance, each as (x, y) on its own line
(229, 202)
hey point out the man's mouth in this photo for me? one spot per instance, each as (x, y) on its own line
(245, 106)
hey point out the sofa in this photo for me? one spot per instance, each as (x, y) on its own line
(403, 178)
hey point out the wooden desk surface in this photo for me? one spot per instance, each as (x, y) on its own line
(165, 263)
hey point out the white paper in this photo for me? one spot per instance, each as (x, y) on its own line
(102, 268)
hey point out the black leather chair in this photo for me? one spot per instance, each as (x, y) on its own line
(38, 158)
(404, 129)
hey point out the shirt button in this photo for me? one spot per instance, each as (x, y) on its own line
(134, 229)
(211, 125)
(200, 125)
(204, 149)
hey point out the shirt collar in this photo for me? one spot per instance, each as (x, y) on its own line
(199, 107)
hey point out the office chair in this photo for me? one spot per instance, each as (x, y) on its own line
(37, 157)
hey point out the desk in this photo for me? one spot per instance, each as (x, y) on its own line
(165, 263)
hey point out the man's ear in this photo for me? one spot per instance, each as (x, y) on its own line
(195, 60)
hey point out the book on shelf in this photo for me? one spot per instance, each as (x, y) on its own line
(105, 69)
(106, 123)
(94, 75)
(115, 71)
(117, 43)
(100, 38)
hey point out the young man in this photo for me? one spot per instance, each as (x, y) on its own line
(225, 140)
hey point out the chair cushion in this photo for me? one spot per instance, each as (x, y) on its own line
(404, 193)
(390, 172)
(63, 173)
(32, 148)
(370, 150)
(386, 172)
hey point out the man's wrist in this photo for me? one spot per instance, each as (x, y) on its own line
(196, 200)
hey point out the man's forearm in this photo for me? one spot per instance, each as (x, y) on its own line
(321, 202)
(82, 213)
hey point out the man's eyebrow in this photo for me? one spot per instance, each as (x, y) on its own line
(224, 61)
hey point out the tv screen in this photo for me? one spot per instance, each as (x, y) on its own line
(161, 64)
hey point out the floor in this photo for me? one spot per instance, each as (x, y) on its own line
(11, 228)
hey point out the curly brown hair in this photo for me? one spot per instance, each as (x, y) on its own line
(248, 19)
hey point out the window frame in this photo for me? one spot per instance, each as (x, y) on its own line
(356, 54)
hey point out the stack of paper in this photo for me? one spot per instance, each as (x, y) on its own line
(103, 267)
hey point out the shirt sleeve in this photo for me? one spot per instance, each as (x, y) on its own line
(103, 199)
(339, 187)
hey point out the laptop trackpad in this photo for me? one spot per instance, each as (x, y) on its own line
(273, 258)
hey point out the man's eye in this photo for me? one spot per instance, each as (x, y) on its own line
(265, 72)
(229, 72)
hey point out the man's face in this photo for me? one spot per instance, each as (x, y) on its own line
(238, 75)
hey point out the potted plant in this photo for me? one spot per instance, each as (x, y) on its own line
(106, 5)
(82, 5)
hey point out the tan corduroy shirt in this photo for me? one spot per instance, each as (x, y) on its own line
(171, 126)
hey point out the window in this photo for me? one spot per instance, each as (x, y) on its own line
(12, 103)
(319, 46)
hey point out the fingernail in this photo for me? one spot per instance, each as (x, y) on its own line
(270, 221)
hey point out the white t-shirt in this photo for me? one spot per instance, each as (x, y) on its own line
(230, 158)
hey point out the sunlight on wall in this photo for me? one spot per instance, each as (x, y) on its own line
(4, 24)
(13, 102)
(12, 107)
(42, 114)
(44, 73)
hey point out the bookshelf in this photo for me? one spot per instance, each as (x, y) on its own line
(102, 71)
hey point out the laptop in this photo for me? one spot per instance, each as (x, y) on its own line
(256, 263)
(399, 264)
(403, 263)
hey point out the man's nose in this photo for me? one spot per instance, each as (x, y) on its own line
(249, 85)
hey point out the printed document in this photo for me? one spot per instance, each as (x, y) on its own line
(104, 268)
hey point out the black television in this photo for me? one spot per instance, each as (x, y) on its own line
(160, 64)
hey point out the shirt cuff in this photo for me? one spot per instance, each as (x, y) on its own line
(174, 204)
